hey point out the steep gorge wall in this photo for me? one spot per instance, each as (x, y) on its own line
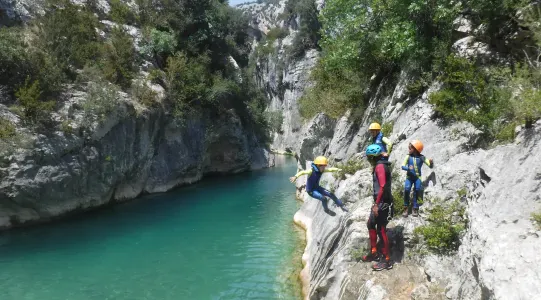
(497, 257)
(90, 157)
(129, 153)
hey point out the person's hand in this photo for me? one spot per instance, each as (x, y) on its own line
(431, 161)
(292, 179)
(411, 167)
(385, 154)
(375, 210)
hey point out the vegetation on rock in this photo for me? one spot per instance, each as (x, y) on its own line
(188, 47)
(364, 42)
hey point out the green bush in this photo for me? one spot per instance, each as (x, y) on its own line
(102, 99)
(7, 129)
(335, 92)
(15, 65)
(308, 35)
(442, 235)
(121, 13)
(68, 32)
(119, 58)
(277, 33)
(188, 82)
(144, 94)
(157, 42)
(526, 104)
(275, 120)
(387, 128)
(33, 108)
(467, 94)
(350, 167)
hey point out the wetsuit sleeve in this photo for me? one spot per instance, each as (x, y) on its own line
(332, 170)
(380, 175)
(304, 172)
(405, 163)
(427, 162)
(388, 143)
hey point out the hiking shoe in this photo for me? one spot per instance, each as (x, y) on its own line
(415, 212)
(382, 265)
(370, 257)
(405, 213)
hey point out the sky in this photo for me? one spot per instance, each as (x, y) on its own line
(235, 2)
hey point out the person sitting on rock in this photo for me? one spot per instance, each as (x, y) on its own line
(318, 167)
(378, 139)
(382, 209)
(412, 164)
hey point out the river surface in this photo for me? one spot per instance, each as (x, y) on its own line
(230, 237)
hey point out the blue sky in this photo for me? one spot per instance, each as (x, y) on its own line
(235, 2)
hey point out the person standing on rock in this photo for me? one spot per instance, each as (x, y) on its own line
(378, 139)
(318, 167)
(412, 164)
(382, 209)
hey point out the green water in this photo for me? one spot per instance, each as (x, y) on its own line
(224, 238)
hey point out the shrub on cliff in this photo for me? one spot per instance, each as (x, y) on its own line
(187, 83)
(335, 91)
(445, 224)
(68, 32)
(29, 97)
(309, 34)
(7, 129)
(275, 120)
(121, 13)
(119, 60)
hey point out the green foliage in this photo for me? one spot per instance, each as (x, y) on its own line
(187, 81)
(462, 192)
(68, 32)
(275, 120)
(442, 235)
(33, 108)
(371, 35)
(119, 58)
(525, 104)
(357, 254)
(144, 94)
(335, 91)
(102, 100)
(7, 129)
(15, 65)
(308, 35)
(536, 217)
(277, 33)
(350, 167)
(157, 42)
(467, 94)
(65, 126)
(121, 13)
(387, 128)
(18, 61)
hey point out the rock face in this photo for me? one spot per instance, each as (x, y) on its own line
(128, 153)
(498, 251)
(283, 79)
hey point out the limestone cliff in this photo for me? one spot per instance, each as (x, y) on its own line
(499, 189)
(91, 154)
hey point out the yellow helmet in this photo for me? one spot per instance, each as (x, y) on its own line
(374, 126)
(321, 161)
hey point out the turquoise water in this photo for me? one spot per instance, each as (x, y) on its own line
(224, 238)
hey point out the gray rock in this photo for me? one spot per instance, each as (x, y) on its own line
(121, 156)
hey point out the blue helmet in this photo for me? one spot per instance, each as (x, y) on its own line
(374, 150)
